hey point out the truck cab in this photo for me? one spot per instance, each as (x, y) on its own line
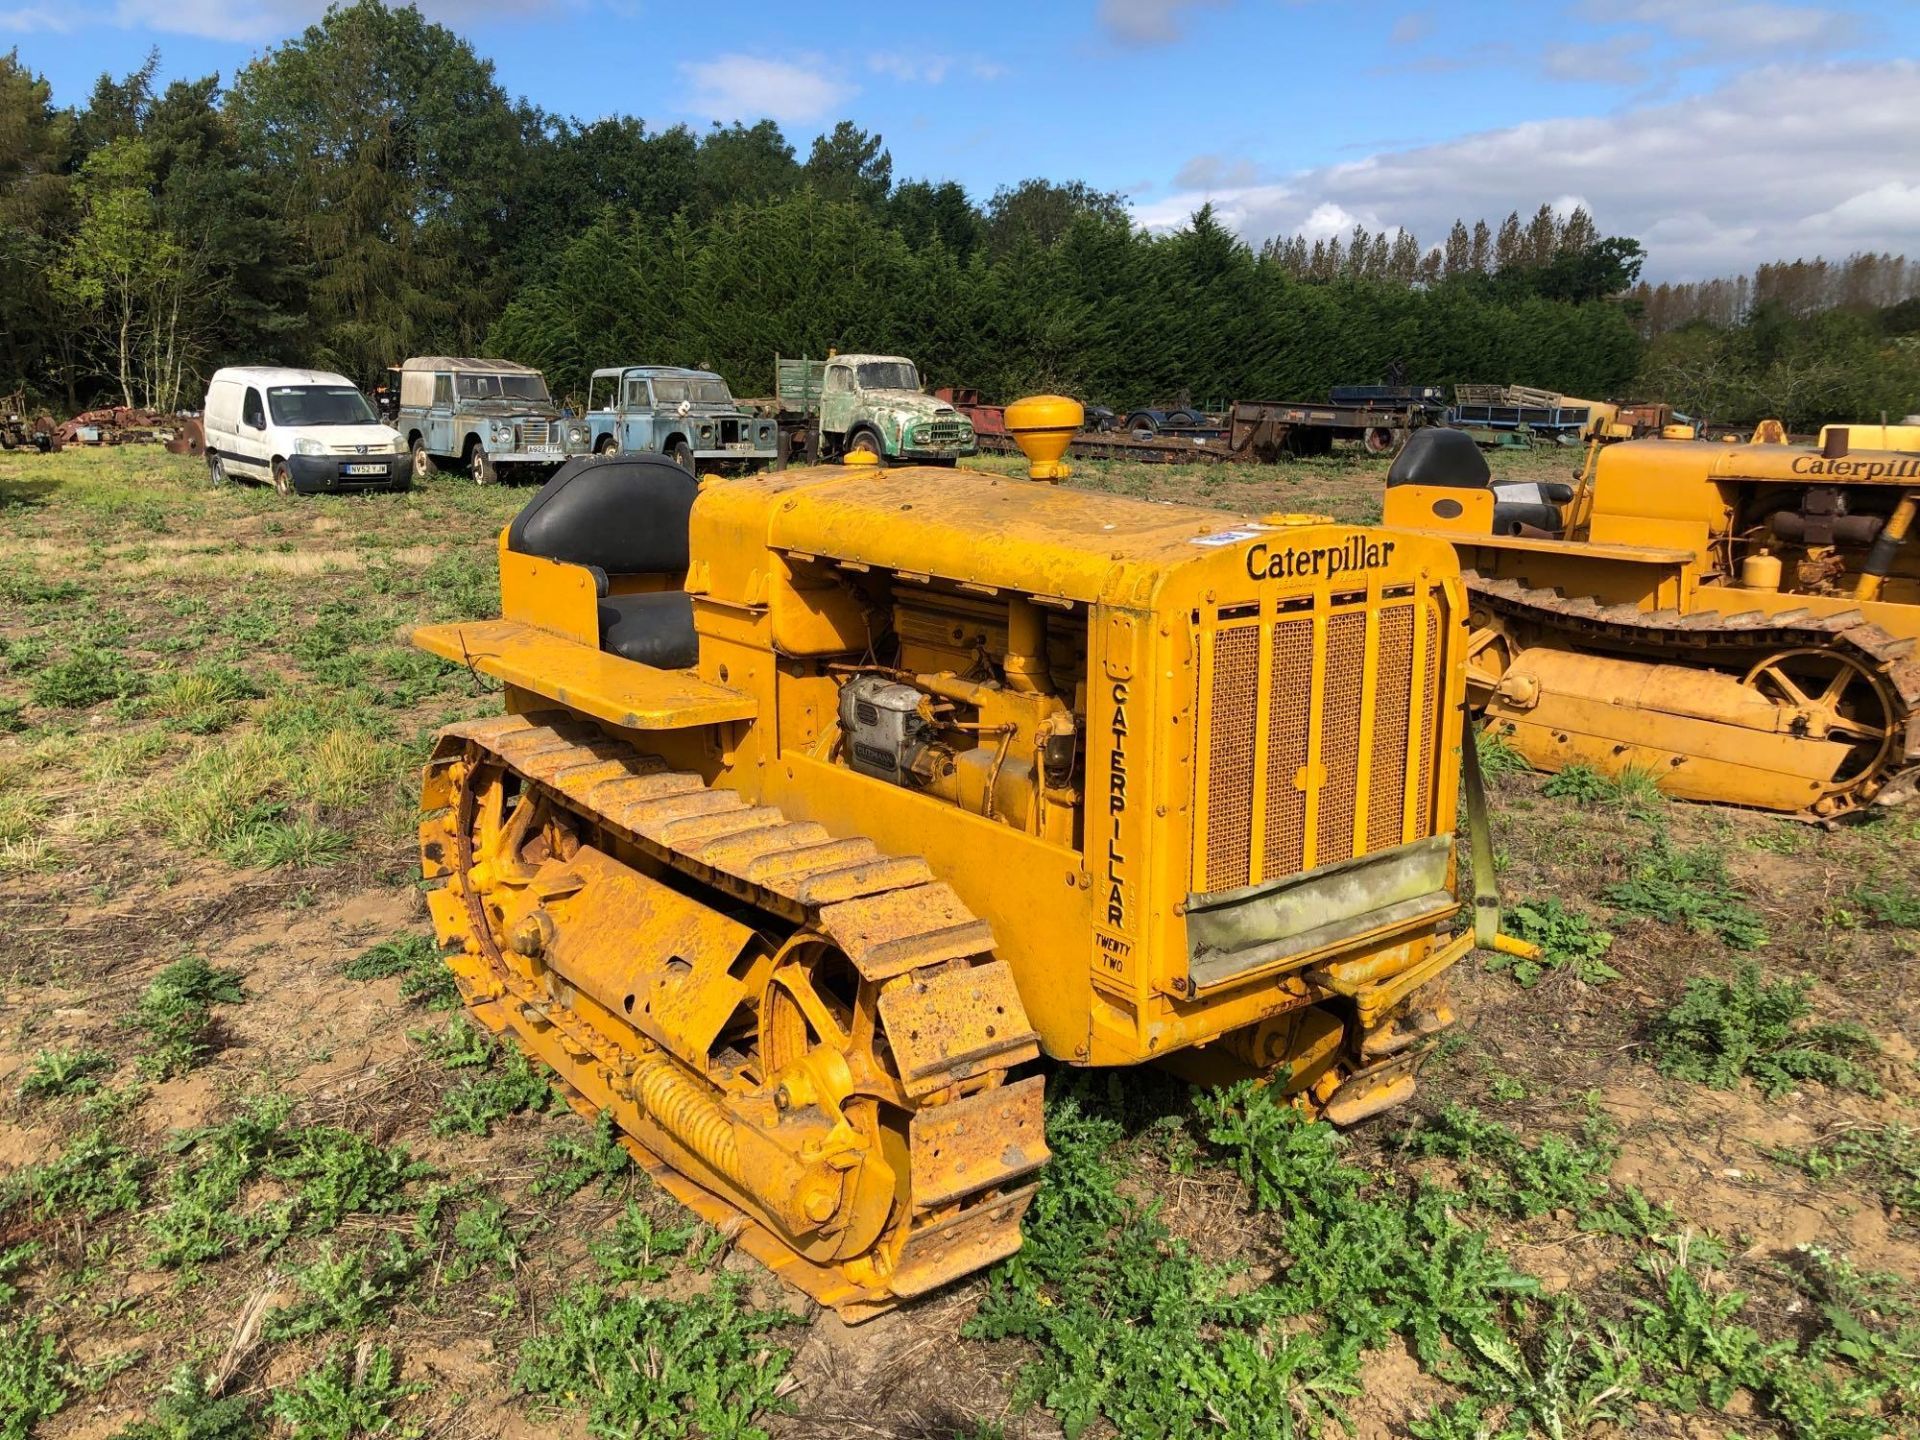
(875, 404)
(480, 416)
(690, 416)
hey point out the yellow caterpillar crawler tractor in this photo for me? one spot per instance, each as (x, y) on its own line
(827, 799)
(1737, 619)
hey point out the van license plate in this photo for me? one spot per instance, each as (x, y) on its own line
(366, 469)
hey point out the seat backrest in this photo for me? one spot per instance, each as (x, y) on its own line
(1438, 455)
(626, 515)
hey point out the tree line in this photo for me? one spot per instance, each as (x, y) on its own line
(367, 190)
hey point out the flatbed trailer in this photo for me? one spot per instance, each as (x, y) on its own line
(1252, 431)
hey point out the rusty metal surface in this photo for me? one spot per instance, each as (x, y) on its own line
(992, 1138)
(787, 1151)
(949, 1024)
(1707, 638)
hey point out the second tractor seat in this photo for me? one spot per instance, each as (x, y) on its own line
(1441, 456)
(621, 516)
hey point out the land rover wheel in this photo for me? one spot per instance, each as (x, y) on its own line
(681, 454)
(422, 461)
(217, 471)
(282, 477)
(865, 442)
(480, 467)
(7, 439)
(606, 446)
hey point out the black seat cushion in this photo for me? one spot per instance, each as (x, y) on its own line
(625, 514)
(655, 629)
(1436, 455)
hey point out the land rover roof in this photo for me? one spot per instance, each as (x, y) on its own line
(467, 363)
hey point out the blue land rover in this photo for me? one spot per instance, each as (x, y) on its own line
(687, 415)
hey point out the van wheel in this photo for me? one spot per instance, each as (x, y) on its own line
(681, 454)
(282, 477)
(217, 471)
(422, 461)
(480, 466)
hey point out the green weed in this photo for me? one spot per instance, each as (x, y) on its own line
(65, 1072)
(462, 1045)
(634, 1250)
(348, 1292)
(185, 1410)
(640, 1365)
(1691, 888)
(175, 1014)
(88, 675)
(12, 1260)
(199, 1220)
(573, 1163)
(1287, 1161)
(12, 720)
(1722, 1030)
(1501, 1171)
(34, 1380)
(1889, 1155)
(204, 699)
(1635, 790)
(476, 1105)
(1567, 939)
(424, 976)
(1497, 757)
(1578, 782)
(343, 1398)
(482, 1240)
(1893, 902)
(94, 1176)
(335, 1173)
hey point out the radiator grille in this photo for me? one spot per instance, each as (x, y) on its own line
(1236, 673)
(533, 432)
(1392, 702)
(1258, 767)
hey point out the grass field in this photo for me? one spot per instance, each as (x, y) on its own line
(256, 1177)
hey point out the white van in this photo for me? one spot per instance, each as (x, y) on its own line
(301, 430)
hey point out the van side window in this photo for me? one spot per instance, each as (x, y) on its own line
(252, 411)
(443, 390)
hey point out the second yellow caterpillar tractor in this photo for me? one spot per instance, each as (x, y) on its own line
(1739, 620)
(825, 800)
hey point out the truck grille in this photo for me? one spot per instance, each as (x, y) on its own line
(1297, 777)
(942, 432)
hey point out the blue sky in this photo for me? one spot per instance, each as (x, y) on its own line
(1722, 132)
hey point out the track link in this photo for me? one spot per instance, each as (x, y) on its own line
(967, 1145)
(1738, 641)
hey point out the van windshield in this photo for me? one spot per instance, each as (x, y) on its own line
(889, 375)
(500, 387)
(700, 392)
(319, 405)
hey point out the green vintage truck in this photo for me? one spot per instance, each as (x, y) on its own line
(846, 403)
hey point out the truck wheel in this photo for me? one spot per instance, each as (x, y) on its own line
(480, 466)
(282, 477)
(865, 442)
(217, 471)
(422, 461)
(681, 454)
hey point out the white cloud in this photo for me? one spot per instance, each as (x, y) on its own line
(35, 19)
(932, 69)
(237, 20)
(1616, 60)
(749, 87)
(1775, 163)
(1150, 22)
(1746, 26)
(1213, 172)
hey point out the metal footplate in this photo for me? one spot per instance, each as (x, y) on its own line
(948, 1014)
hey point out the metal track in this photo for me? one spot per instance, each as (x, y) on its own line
(1734, 642)
(905, 931)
